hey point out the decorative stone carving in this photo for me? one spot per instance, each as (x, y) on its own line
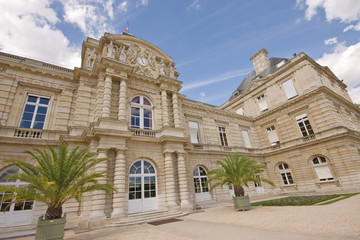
(162, 67)
(123, 55)
(171, 70)
(111, 50)
(151, 59)
(90, 57)
(133, 53)
(142, 71)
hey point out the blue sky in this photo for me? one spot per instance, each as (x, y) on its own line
(210, 41)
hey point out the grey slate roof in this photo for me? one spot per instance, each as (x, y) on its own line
(252, 76)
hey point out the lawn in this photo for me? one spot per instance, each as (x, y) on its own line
(304, 200)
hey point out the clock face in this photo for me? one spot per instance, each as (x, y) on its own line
(142, 61)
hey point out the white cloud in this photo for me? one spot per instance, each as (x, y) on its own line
(142, 3)
(28, 29)
(346, 11)
(355, 27)
(90, 16)
(331, 41)
(344, 61)
(220, 78)
(123, 7)
(194, 5)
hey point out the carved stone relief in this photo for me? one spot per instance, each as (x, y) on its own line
(90, 57)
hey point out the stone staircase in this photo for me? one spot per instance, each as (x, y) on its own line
(147, 217)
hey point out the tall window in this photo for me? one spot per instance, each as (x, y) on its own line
(262, 103)
(285, 174)
(223, 137)
(289, 89)
(246, 138)
(141, 113)
(194, 132)
(34, 112)
(20, 205)
(304, 125)
(322, 169)
(200, 179)
(272, 135)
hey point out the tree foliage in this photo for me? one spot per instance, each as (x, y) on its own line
(237, 170)
(57, 177)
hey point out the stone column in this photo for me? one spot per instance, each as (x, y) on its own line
(183, 184)
(107, 97)
(98, 196)
(119, 199)
(122, 100)
(164, 104)
(169, 181)
(176, 110)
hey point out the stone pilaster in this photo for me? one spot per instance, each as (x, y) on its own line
(169, 181)
(98, 196)
(164, 105)
(107, 97)
(122, 100)
(176, 110)
(119, 199)
(183, 184)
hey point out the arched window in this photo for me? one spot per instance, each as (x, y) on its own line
(141, 113)
(285, 174)
(200, 179)
(322, 169)
(20, 212)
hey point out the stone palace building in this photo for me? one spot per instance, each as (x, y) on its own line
(293, 115)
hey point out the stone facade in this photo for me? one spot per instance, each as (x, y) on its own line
(124, 103)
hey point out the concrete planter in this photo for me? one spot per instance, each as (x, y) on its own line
(241, 203)
(50, 229)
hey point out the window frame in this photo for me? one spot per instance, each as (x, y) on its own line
(301, 119)
(285, 172)
(261, 101)
(322, 163)
(246, 138)
(197, 131)
(35, 113)
(223, 137)
(272, 133)
(289, 85)
(141, 108)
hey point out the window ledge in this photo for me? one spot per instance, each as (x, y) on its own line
(318, 183)
(289, 186)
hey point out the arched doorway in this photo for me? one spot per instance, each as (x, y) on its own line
(201, 188)
(142, 187)
(19, 213)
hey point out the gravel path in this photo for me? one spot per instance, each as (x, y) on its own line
(340, 218)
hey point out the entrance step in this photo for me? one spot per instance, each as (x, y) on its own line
(140, 218)
(211, 203)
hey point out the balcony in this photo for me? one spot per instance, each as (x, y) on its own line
(28, 133)
(144, 133)
(309, 138)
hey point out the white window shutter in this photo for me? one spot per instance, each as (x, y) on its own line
(323, 172)
(194, 132)
(246, 139)
(289, 89)
(273, 137)
(262, 104)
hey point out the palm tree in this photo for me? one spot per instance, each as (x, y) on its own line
(56, 178)
(237, 170)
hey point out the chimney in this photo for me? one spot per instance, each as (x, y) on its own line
(260, 61)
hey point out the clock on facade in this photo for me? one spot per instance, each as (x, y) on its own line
(142, 61)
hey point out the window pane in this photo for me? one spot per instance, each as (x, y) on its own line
(146, 123)
(315, 161)
(28, 205)
(147, 113)
(29, 108)
(44, 101)
(42, 110)
(38, 125)
(28, 116)
(32, 99)
(25, 124)
(135, 111)
(147, 102)
(136, 100)
(40, 118)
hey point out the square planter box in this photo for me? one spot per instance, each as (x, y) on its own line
(241, 203)
(50, 229)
